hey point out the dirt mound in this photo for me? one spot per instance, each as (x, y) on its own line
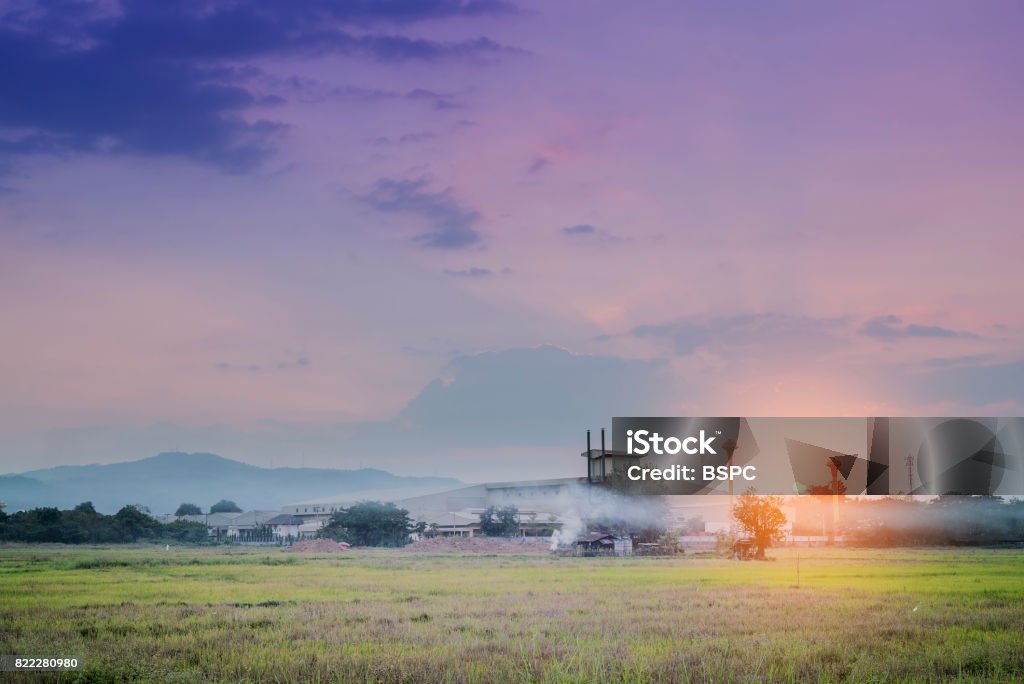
(318, 546)
(479, 545)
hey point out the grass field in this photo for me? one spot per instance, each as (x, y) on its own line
(248, 615)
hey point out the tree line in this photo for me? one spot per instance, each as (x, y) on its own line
(948, 520)
(84, 525)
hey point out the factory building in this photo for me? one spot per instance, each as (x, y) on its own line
(457, 511)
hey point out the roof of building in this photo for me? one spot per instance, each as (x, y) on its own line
(285, 519)
(595, 537)
(252, 518)
(450, 519)
(216, 519)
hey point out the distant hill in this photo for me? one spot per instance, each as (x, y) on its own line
(164, 481)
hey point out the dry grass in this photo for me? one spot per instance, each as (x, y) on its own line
(201, 615)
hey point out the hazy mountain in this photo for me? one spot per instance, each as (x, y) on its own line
(164, 481)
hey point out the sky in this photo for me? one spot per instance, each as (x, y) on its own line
(448, 236)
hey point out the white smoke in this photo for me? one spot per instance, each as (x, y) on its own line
(579, 505)
(572, 528)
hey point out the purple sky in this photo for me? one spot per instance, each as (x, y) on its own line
(446, 237)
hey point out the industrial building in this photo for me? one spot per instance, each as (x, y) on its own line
(544, 506)
(235, 526)
(456, 512)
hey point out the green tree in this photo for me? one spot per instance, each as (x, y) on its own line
(189, 509)
(225, 506)
(83, 525)
(185, 532)
(669, 542)
(135, 524)
(47, 526)
(499, 522)
(761, 517)
(369, 523)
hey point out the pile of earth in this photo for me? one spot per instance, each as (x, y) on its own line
(480, 545)
(317, 546)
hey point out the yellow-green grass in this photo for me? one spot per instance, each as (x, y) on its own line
(257, 615)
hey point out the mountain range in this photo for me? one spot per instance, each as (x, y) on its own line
(164, 481)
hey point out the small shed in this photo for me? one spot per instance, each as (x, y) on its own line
(595, 543)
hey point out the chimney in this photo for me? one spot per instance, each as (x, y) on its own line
(588, 457)
(602, 455)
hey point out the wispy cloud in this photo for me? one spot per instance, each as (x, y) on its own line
(305, 89)
(891, 328)
(537, 165)
(474, 272)
(451, 225)
(580, 229)
(587, 233)
(406, 139)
